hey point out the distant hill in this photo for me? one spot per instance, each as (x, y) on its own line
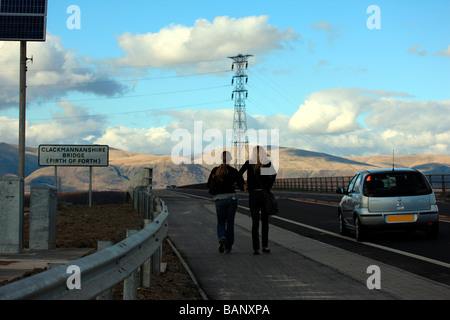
(430, 164)
(9, 159)
(125, 168)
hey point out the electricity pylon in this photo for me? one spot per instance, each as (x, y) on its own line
(240, 138)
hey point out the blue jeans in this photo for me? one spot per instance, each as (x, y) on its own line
(226, 211)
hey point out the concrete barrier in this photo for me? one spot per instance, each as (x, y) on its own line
(11, 215)
(43, 208)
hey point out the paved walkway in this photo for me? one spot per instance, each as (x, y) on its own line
(297, 268)
(16, 265)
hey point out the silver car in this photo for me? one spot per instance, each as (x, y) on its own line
(388, 198)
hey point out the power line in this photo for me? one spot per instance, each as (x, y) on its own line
(280, 106)
(143, 95)
(96, 82)
(124, 112)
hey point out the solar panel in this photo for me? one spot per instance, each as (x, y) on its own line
(23, 20)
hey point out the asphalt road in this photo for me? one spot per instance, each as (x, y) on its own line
(315, 216)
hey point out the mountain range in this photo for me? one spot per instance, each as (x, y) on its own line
(125, 168)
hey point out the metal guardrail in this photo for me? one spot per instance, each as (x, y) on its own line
(316, 184)
(439, 182)
(101, 271)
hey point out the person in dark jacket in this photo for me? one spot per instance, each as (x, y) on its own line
(221, 183)
(260, 176)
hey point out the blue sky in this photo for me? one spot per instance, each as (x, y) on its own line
(138, 70)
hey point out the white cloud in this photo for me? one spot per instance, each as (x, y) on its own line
(9, 129)
(340, 121)
(203, 46)
(328, 111)
(359, 121)
(55, 71)
(74, 125)
(152, 141)
(444, 53)
(414, 50)
(323, 25)
(195, 123)
(333, 32)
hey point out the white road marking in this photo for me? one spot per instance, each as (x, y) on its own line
(408, 254)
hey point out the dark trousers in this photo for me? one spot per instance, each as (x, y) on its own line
(258, 212)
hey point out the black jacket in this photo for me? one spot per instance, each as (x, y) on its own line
(229, 179)
(256, 180)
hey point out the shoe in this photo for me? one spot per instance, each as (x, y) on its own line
(266, 250)
(256, 252)
(221, 244)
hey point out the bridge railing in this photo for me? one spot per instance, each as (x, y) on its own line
(441, 185)
(99, 272)
(315, 184)
(439, 182)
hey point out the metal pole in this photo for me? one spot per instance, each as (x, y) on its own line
(22, 115)
(56, 177)
(22, 107)
(90, 187)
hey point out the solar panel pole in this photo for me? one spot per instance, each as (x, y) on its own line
(22, 107)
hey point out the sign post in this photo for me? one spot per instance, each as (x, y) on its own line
(74, 156)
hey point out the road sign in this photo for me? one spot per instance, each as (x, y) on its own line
(23, 20)
(73, 155)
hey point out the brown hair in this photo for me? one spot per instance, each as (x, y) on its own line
(222, 170)
(260, 153)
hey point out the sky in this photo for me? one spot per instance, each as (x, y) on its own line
(339, 77)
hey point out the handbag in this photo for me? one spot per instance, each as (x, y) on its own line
(270, 203)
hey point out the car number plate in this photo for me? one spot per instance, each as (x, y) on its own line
(401, 218)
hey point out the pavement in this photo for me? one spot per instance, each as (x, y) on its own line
(298, 268)
(14, 265)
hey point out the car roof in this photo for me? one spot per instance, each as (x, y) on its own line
(387, 170)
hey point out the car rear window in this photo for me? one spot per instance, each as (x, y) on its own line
(396, 183)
